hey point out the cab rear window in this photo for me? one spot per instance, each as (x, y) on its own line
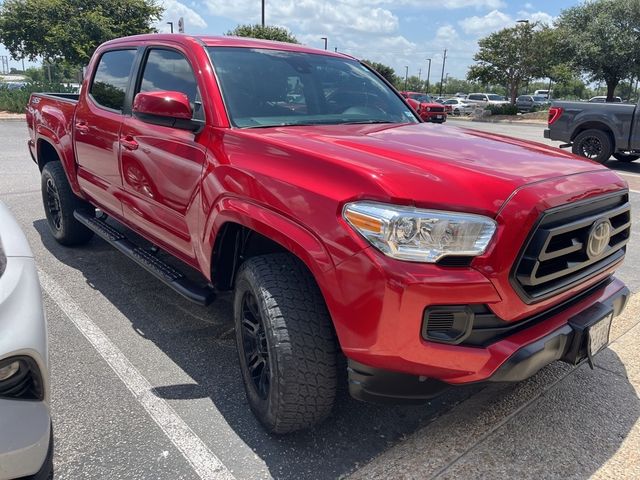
(110, 82)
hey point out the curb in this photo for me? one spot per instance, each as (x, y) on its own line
(512, 122)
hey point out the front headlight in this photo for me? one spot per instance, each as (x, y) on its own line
(417, 235)
(428, 109)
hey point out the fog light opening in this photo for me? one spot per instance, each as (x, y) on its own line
(9, 370)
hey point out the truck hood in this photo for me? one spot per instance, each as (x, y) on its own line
(437, 166)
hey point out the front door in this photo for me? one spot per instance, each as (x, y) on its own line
(97, 129)
(161, 166)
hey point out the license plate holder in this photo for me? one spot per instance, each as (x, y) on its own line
(591, 329)
(598, 334)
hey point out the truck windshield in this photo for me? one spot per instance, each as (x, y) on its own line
(267, 88)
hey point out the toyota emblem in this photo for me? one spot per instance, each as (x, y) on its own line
(599, 237)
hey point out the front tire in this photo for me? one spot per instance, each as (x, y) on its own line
(286, 344)
(626, 157)
(593, 144)
(59, 204)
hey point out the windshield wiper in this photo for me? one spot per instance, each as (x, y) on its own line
(366, 122)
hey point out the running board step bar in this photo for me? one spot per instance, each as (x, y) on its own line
(200, 294)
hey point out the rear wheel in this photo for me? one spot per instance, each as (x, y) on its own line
(286, 345)
(593, 144)
(625, 157)
(59, 204)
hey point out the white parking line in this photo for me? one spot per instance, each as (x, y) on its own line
(194, 450)
(621, 172)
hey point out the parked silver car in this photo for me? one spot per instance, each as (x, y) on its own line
(486, 99)
(527, 103)
(26, 440)
(460, 106)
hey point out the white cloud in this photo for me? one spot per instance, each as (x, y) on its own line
(448, 4)
(542, 17)
(173, 11)
(494, 20)
(446, 34)
(528, 6)
(311, 15)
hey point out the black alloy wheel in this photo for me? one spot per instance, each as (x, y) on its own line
(53, 205)
(593, 144)
(255, 348)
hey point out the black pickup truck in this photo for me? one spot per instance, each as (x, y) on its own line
(596, 130)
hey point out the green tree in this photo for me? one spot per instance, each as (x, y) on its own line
(70, 30)
(602, 39)
(384, 70)
(509, 57)
(278, 34)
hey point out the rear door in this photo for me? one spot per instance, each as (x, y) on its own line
(161, 166)
(98, 119)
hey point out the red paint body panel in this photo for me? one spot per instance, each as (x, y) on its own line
(178, 189)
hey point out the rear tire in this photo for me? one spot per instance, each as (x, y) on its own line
(626, 157)
(59, 204)
(593, 144)
(286, 344)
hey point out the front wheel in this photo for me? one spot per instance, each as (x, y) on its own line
(59, 204)
(626, 157)
(286, 345)
(593, 144)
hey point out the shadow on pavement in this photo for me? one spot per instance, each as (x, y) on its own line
(200, 341)
(582, 426)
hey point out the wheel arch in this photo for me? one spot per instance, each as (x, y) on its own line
(594, 125)
(49, 150)
(238, 230)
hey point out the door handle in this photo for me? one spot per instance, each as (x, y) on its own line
(82, 128)
(129, 142)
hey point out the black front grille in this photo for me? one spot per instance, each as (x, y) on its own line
(437, 109)
(556, 256)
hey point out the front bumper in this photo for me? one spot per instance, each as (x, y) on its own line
(25, 439)
(25, 422)
(567, 343)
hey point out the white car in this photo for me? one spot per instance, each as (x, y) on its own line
(26, 439)
(487, 99)
(460, 107)
(603, 99)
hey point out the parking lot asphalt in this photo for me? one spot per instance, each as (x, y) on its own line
(146, 385)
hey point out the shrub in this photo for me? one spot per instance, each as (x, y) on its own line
(506, 109)
(14, 101)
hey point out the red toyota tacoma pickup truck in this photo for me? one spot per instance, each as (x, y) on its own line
(345, 226)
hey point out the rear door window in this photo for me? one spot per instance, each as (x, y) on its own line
(110, 82)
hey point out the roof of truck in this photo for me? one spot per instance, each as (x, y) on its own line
(227, 41)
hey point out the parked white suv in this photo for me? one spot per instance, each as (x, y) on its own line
(487, 99)
(26, 440)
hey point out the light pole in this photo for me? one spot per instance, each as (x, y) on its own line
(444, 61)
(525, 49)
(406, 77)
(325, 42)
(171, 25)
(428, 74)
(263, 13)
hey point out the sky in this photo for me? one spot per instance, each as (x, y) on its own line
(398, 33)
